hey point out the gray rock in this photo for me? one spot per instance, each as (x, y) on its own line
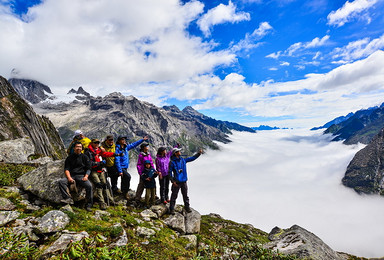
(11, 189)
(43, 181)
(160, 210)
(61, 244)
(122, 240)
(101, 213)
(176, 222)
(6, 204)
(28, 206)
(17, 150)
(193, 241)
(8, 216)
(192, 222)
(67, 208)
(148, 214)
(301, 243)
(26, 230)
(145, 232)
(53, 221)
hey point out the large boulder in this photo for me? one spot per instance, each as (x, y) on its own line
(301, 243)
(43, 181)
(16, 151)
(183, 222)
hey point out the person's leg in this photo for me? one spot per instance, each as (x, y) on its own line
(88, 189)
(95, 178)
(162, 189)
(125, 181)
(147, 196)
(139, 190)
(63, 186)
(153, 196)
(175, 191)
(114, 175)
(104, 181)
(184, 192)
(166, 188)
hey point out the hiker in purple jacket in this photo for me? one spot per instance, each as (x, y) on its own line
(162, 165)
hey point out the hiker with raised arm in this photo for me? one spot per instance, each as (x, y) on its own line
(179, 177)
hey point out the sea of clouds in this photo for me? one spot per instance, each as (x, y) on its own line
(286, 177)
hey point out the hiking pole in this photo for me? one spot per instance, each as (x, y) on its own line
(107, 185)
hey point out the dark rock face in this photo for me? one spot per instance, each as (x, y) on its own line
(301, 243)
(119, 115)
(31, 90)
(361, 127)
(366, 170)
(18, 119)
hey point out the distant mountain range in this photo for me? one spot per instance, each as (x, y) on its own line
(360, 126)
(266, 127)
(120, 115)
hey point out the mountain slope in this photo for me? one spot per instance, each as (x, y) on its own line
(31, 90)
(119, 115)
(361, 127)
(18, 119)
(366, 170)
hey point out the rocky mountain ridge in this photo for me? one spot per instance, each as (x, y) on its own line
(361, 126)
(19, 120)
(31, 90)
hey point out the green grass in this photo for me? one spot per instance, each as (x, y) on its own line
(10, 172)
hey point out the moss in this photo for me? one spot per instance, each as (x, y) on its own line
(10, 172)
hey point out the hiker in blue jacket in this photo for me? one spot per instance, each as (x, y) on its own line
(178, 171)
(122, 161)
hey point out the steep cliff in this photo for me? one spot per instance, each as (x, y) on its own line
(18, 119)
(31, 90)
(366, 170)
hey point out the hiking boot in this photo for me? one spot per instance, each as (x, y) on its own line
(188, 209)
(117, 192)
(103, 206)
(165, 202)
(88, 208)
(67, 201)
(172, 211)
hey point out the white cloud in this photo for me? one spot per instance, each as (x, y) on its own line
(250, 40)
(284, 63)
(68, 43)
(298, 47)
(358, 49)
(308, 102)
(219, 15)
(349, 11)
(282, 178)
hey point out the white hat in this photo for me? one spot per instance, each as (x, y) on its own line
(174, 150)
(78, 132)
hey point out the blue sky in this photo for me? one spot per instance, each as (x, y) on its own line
(288, 63)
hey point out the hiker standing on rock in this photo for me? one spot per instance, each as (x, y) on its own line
(178, 171)
(78, 137)
(143, 156)
(98, 176)
(122, 161)
(162, 166)
(109, 146)
(77, 168)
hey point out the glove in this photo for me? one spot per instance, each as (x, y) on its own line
(103, 162)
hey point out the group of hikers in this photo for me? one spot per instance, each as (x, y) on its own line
(91, 162)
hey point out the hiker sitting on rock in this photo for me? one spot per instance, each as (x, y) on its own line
(98, 175)
(122, 161)
(178, 171)
(77, 168)
(78, 137)
(148, 177)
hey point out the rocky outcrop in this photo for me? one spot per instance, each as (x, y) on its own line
(61, 244)
(31, 90)
(119, 115)
(183, 222)
(301, 243)
(8, 216)
(43, 181)
(19, 150)
(53, 221)
(365, 173)
(18, 120)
